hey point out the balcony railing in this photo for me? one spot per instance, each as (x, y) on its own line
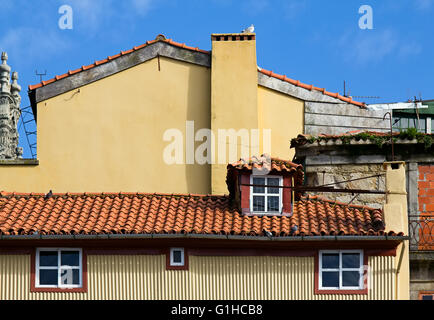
(421, 231)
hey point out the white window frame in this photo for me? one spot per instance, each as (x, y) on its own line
(341, 269)
(266, 194)
(59, 268)
(177, 264)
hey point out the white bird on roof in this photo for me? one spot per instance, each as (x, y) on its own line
(250, 29)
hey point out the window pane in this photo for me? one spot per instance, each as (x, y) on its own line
(70, 276)
(177, 256)
(424, 297)
(350, 278)
(48, 259)
(259, 203)
(273, 204)
(70, 258)
(350, 260)
(330, 279)
(330, 261)
(260, 181)
(273, 182)
(48, 277)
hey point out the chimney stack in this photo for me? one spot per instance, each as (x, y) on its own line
(234, 92)
(396, 219)
(395, 209)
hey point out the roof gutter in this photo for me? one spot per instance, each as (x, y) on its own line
(201, 236)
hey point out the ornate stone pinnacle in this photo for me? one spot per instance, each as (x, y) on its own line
(4, 57)
(15, 87)
(9, 112)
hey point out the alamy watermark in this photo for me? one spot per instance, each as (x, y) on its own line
(221, 146)
(366, 21)
(66, 21)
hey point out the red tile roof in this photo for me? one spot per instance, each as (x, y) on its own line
(311, 87)
(278, 165)
(139, 213)
(110, 58)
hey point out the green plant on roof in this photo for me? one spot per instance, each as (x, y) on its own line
(380, 141)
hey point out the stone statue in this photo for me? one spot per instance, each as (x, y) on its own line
(9, 112)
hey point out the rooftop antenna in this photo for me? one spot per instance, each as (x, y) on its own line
(391, 132)
(40, 75)
(357, 97)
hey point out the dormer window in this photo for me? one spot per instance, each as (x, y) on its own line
(266, 194)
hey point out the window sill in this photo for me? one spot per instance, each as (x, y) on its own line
(59, 290)
(361, 291)
(270, 214)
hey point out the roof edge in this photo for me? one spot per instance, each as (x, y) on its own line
(308, 92)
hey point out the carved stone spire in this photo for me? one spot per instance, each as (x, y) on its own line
(9, 112)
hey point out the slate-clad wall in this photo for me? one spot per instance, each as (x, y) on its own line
(334, 119)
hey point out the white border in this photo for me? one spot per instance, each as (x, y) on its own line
(266, 194)
(59, 268)
(177, 264)
(341, 269)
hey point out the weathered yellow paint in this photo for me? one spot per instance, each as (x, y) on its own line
(284, 116)
(232, 278)
(234, 97)
(109, 136)
(396, 219)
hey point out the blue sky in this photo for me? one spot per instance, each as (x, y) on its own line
(317, 42)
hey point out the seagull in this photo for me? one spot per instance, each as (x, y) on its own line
(49, 195)
(250, 29)
(268, 234)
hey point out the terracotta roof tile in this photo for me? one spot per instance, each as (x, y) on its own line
(184, 46)
(122, 53)
(311, 87)
(142, 213)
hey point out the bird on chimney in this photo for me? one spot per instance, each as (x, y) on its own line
(250, 29)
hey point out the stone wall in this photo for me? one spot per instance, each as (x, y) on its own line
(325, 174)
(422, 274)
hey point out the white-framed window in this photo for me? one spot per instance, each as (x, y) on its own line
(341, 270)
(267, 199)
(177, 258)
(59, 268)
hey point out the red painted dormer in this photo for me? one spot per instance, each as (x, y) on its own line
(258, 185)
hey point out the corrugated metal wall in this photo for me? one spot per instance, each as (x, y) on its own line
(145, 277)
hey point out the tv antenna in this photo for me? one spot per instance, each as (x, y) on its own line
(347, 94)
(40, 75)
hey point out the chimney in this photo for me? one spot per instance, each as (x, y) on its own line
(396, 219)
(395, 209)
(234, 94)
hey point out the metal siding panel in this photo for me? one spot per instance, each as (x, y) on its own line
(145, 277)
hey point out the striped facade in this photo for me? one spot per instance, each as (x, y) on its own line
(144, 277)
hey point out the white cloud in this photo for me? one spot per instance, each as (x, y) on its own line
(424, 4)
(90, 16)
(29, 44)
(374, 46)
(293, 8)
(142, 7)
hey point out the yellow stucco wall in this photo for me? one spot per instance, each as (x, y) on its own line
(234, 98)
(284, 115)
(240, 278)
(109, 137)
